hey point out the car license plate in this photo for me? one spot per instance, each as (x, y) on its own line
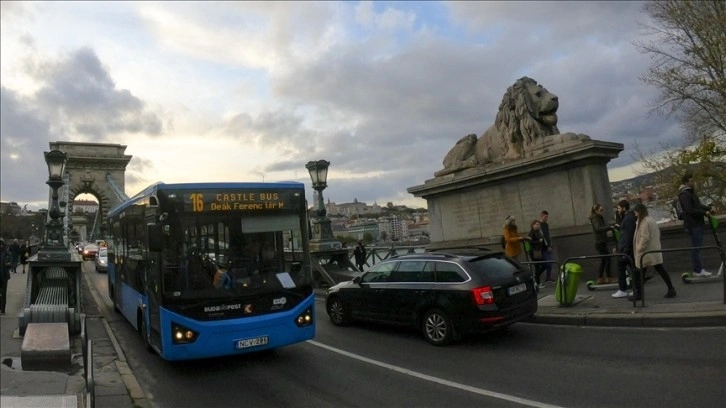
(253, 342)
(517, 289)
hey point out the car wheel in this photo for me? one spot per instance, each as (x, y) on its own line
(437, 328)
(338, 312)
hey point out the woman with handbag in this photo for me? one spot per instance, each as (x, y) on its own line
(24, 254)
(537, 245)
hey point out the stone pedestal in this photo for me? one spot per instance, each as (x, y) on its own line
(468, 207)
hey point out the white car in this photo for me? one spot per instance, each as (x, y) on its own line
(102, 260)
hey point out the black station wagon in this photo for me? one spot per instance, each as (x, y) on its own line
(445, 294)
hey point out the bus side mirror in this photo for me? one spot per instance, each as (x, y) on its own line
(153, 231)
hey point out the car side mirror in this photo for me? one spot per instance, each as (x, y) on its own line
(357, 280)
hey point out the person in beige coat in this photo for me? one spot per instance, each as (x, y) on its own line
(647, 238)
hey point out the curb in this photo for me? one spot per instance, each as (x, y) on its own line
(131, 383)
(680, 319)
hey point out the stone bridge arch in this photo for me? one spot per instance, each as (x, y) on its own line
(98, 169)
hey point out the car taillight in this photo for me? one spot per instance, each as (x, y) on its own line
(483, 295)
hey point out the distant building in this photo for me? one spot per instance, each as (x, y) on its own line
(11, 208)
(418, 230)
(358, 230)
(348, 209)
(85, 206)
(395, 228)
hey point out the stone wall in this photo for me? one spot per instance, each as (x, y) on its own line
(469, 207)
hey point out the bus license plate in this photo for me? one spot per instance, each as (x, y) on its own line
(253, 342)
(517, 289)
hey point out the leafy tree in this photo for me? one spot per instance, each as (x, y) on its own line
(367, 237)
(688, 53)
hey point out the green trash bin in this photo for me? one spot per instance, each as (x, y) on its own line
(572, 273)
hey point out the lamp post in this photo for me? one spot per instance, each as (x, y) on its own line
(53, 247)
(322, 232)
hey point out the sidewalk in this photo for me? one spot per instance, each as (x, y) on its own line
(695, 305)
(22, 388)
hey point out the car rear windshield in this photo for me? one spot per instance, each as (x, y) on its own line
(493, 267)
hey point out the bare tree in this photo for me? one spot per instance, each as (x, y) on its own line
(687, 46)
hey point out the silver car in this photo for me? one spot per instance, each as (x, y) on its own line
(102, 260)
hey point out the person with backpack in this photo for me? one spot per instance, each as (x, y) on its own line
(693, 221)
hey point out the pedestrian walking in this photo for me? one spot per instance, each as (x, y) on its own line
(547, 254)
(626, 220)
(24, 254)
(601, 229)
(513, 241)
(693, 221)
(360, 255)
(15, 255)
(647, 238)
(5, 262)
(536, 252)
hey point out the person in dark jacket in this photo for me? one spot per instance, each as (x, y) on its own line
(5, 261)
(547, 251)
(693, 221)
(360, 255)
(626, 220)
(536, 251)
(24, 254)
(15, 255)
(601, 229)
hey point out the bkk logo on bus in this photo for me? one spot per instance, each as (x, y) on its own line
(221, 308)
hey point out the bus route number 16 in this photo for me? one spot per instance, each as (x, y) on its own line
(197, 202)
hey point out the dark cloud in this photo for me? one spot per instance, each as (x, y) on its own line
(80, 90)
(77, 96)
(409, 106)
(392, 106)
(24, 136)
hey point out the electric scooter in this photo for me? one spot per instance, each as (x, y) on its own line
(688, 276)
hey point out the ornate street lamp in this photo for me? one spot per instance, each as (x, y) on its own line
(54, 248)
(322, 232)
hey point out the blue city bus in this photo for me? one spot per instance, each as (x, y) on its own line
(213, 269)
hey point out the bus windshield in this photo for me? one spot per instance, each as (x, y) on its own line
(227, 255)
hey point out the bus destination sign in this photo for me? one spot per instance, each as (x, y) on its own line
(244, 201)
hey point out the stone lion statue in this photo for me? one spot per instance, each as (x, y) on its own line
(527, 114)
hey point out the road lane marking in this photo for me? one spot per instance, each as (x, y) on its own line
(441, 381)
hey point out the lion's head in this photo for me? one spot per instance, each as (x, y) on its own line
(528, 111)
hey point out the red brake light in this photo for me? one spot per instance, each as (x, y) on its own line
(483, 295)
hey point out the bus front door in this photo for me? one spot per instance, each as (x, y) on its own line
(153, 289)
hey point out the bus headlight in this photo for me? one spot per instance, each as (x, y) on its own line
(182, 335)
(305, 318)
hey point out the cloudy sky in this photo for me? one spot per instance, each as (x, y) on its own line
(252, 91)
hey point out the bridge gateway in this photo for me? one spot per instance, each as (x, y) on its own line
(93, 168)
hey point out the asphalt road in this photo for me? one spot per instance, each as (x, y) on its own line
(370, 366)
